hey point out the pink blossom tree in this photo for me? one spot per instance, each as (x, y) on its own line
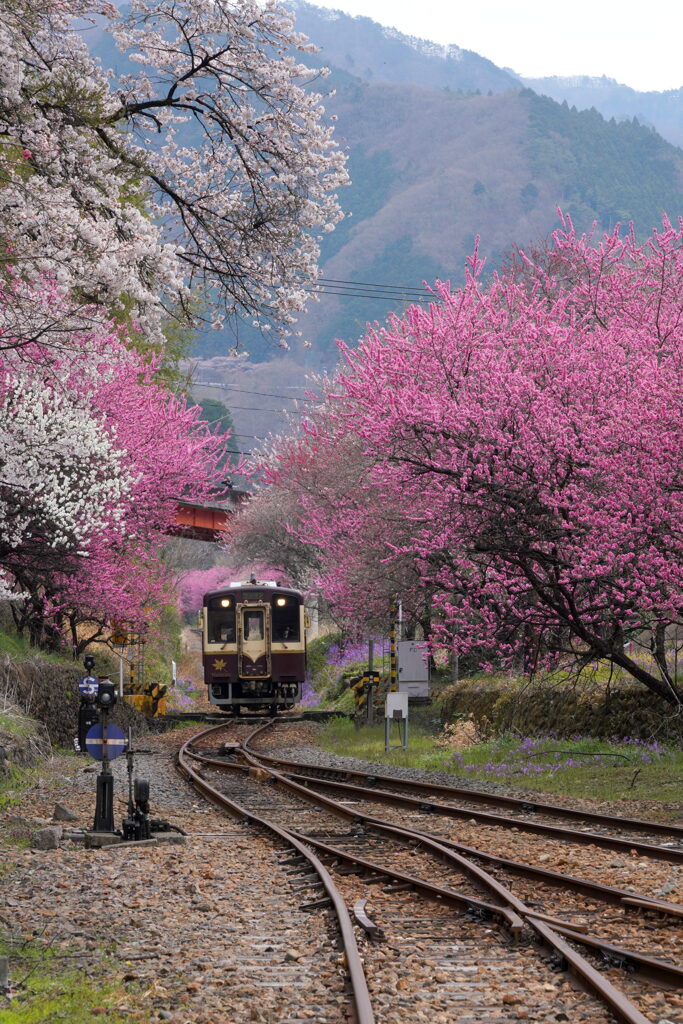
(523, 450)
(192, 586)
(94, 457)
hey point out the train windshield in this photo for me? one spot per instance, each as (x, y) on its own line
(285, 619)
(221, 620)
(253, 624)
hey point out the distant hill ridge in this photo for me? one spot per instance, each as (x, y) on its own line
(378, 53)
(443, 146)
(660, 110)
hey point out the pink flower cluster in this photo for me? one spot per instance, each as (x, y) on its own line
(515, 452)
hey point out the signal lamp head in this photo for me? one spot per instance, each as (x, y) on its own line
(89, 662)
(106, 694)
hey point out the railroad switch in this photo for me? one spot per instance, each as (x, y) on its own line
(622, 962)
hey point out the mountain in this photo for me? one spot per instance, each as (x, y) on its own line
(662, 111)
(375, 53)
(432, 170)
(443, 147)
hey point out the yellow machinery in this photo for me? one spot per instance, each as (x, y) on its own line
(149, 698)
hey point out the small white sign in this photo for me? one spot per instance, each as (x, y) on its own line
(174, 672)
(396, 702)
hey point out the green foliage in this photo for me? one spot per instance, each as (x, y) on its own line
(16, 724)
(317, 651)
(609, 172)
(164, 647)
(11, 786)
(220, 421)
(217, 415)
(566, 705)
(48, 993)
(19, 647)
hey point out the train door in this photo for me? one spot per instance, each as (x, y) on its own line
(254, 641)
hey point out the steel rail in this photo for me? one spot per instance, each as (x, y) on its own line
(667, 853)
(586, 886)
(600, 986)
(531, 806)
(607, 893)
(361, 997)
(657, 970)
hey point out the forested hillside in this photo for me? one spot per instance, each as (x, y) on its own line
(432, 169)
(660, 110)
(442, 147)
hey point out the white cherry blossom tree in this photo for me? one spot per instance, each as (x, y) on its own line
(208, 169)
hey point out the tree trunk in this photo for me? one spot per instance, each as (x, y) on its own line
(662, 687)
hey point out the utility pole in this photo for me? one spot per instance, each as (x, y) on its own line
(371, 688)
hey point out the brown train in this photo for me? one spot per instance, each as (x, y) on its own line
(254, 646)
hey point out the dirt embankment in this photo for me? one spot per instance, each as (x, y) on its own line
(39, 701)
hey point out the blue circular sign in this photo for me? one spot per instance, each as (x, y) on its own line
(88, 686)
(99, 748)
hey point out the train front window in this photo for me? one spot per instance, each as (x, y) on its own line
(285, 619)
(221, 620)
(253, 625)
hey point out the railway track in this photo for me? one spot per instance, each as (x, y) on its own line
(528, 923)
(316, 884)
(652, 838)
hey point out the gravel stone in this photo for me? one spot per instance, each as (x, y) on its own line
(62, 813)
(47, 838)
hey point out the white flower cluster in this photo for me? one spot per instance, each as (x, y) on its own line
(214, 137)
(60, 473)
(63, 479)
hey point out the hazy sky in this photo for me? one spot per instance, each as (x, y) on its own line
(638, 44)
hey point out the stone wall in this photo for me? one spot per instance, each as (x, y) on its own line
(48, 692)
(584, 707)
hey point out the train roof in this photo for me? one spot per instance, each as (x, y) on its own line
(252, 585)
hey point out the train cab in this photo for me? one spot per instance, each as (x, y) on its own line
(254, 646)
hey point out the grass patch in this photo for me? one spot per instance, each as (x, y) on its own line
(11, 785)
(16, 724)
(19, 648)
(47, 988)
(580, 766)
(341, 736)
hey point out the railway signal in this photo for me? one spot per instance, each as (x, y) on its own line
(87, 714)
(105, 742)
(110, 746)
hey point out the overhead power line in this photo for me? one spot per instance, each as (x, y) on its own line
(258, 408)
(368, 290)
(403, 289)
(245, 391)
(234, 433)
